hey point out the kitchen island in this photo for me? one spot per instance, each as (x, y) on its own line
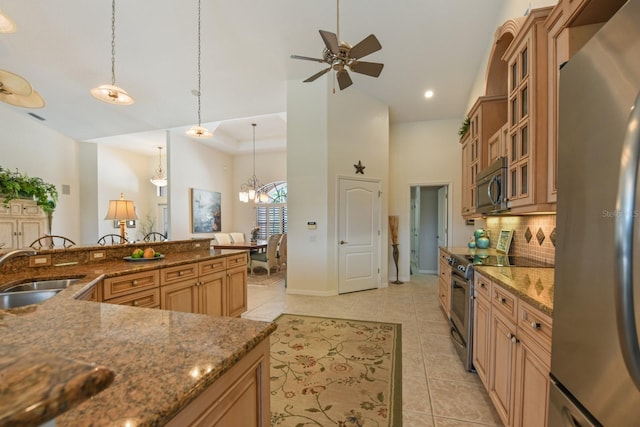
(163, 361)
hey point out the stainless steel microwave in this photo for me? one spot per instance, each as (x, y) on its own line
(491, 188)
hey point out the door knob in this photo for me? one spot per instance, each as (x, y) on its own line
(342, 242)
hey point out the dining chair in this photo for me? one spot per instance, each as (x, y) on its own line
(111, 239)
(269, 258)
(237, 237)
(222, 238)
(51, 241)
(154, 236)
(282, 251)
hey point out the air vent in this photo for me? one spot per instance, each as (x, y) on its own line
(34, 115)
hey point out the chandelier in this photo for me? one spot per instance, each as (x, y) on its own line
(112, 93)
(251, 190)
(199, 131)
(160, 177)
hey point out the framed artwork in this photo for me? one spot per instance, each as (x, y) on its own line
(205, 211)
(504, 241)
(131, 223)
(116, 223)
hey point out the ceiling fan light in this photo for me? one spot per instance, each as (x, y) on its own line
(112, 95)
(199, 132)
(7, 25)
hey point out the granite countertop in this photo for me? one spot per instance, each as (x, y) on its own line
(161, 360)
(531, 284)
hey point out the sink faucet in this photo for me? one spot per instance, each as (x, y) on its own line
(17, 252)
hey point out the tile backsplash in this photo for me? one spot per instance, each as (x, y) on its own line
(533, 237)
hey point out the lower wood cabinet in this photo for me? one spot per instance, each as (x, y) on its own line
(210, 288)
(444, 282)
(240, 397)
(512, 354)
(215, 287)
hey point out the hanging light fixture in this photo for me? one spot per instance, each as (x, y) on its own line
(112, 93)
(160, 178)
(7, 25)
(251, 190)
(199, 131)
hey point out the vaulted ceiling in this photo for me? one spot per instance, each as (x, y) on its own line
(64, 50)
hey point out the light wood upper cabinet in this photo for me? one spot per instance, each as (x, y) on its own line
(487, 116)
(527, 117)
(21, 223)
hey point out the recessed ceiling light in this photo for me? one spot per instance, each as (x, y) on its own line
(428, 94)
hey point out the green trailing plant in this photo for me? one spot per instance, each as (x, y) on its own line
(464, 127)
(16, 185)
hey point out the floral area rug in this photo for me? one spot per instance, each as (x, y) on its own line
(335, 372)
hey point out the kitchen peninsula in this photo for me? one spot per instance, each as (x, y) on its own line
(168, 366)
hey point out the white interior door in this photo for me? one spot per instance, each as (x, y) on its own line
(358, 235)
(443, 215)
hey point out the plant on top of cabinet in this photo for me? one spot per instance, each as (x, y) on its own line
(15, 185)
(464, 127)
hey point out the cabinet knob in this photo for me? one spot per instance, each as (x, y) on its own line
(135, 282)
(482, 285)
(180, 273)
(515, 340)
(535, 325)
(502, 300)
(135, 303)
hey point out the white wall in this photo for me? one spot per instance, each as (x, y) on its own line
(195, 165)
(326, 135)
(34, 149)
(425, 154)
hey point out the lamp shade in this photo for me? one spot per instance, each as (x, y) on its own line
(121, 209)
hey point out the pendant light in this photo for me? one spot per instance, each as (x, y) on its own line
(160, 178)
(112, 93)
(250, 190)
(199, 131)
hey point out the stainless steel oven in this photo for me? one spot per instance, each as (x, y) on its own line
(461, 313)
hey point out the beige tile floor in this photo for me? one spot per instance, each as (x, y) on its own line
(437, 391)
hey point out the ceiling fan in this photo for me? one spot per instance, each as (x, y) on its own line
(341, 56)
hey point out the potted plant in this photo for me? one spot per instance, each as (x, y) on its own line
(17, 185)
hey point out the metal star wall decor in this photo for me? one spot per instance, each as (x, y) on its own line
(359, 168)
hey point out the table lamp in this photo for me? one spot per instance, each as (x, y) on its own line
(121, 210)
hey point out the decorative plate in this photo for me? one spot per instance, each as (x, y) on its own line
(128, 258)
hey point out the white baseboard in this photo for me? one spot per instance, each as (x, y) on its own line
(311, 293)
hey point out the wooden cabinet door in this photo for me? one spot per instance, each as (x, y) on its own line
(8, 233)
(181, 296)
(481, 337)
(211, 294)
(502, 365)
(532, 384)
(236, 291)
(28, 231)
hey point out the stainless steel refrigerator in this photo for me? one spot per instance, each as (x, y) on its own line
(595, 362)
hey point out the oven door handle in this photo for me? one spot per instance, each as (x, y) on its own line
(455, 335)
(494, 200)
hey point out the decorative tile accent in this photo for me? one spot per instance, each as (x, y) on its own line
(528, 235)
(553, 237)
(540, 236)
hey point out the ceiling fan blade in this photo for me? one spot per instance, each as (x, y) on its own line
(316, 75)
(344, 80)
(372, 69)
(331, 41)
(369, 45)
(14, 84)
(307, 58)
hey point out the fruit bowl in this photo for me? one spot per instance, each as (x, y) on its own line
(155, 258)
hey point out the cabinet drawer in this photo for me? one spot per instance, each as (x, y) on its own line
(504, 301)
(149, 299)
(179, 273)
(130, 283)
(535, 323)
(212, 266)
(236, 260)
(482, 287)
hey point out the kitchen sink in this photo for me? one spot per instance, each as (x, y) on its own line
(18, 299)
(41, 285)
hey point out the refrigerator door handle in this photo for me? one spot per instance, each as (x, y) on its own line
(624, 221)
